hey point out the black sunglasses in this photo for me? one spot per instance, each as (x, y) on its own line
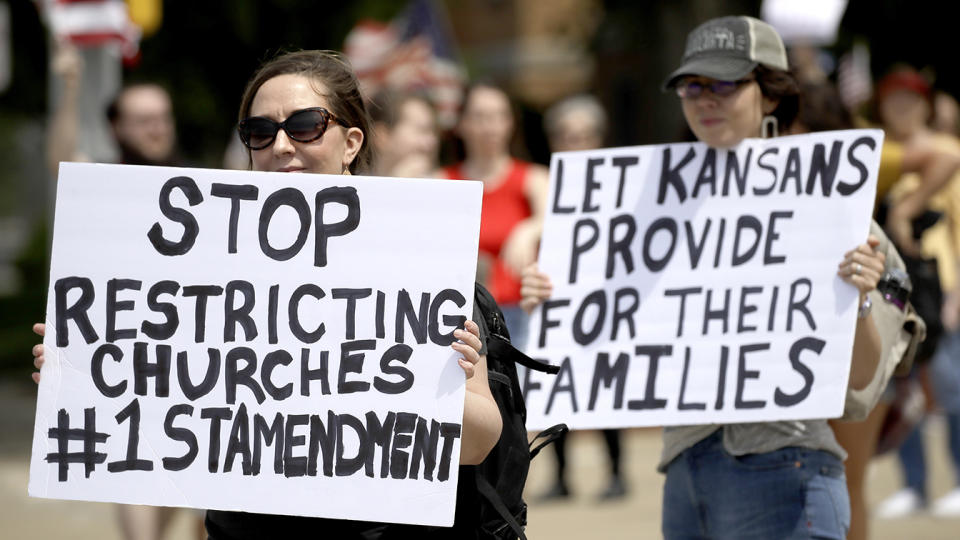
(694, 89)
(305, 125)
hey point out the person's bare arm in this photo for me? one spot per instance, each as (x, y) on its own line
(536, 189)
(936, 167)
(482, 423)
(535, 288)
(520, 248)
(863, 267)
(62, 135)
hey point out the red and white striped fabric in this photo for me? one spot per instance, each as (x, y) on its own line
(382, 60)
(853, 77)
(92, 23)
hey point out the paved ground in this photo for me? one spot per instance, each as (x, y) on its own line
(636, 517)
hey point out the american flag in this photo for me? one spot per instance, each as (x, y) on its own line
(414, 52)
(853, 77)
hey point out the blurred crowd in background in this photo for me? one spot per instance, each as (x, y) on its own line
(486, 89)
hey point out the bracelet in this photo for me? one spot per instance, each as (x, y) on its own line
(864, 308)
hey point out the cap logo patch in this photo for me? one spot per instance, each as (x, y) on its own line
(716, 38)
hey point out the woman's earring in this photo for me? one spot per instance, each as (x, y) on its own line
(769, 127)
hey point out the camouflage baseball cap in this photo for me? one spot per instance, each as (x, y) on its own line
(729, 48)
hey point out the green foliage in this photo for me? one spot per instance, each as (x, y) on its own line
(19, 312)
(27, 93)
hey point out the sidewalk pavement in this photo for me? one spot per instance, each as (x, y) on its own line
(637, 516)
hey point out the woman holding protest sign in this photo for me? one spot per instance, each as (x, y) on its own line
(769, 479)
(303, 112)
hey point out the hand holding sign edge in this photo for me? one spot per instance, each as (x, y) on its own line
(482, 422)
(40, 329)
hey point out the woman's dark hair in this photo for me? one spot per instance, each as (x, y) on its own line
(516, 148)
(489, 85)
(821, 108)
(782, 86)
(336, 75)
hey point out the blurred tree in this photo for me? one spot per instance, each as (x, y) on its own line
(637, 45)
(916, 32)
(22, 183)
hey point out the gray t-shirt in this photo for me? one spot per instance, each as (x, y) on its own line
(756, 438)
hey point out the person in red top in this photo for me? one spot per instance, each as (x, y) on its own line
(514, 197)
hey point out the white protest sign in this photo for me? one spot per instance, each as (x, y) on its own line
(695, 286)
(264, 342)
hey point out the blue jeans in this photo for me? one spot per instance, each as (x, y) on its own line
(953, 441)
(790, 493)
(913, 462)
(517, 322)
(945, 376)
(945, 373)
(945, 379)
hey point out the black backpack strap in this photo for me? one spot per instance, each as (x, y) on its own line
(496, 341)
(488, 491)
(548, 435)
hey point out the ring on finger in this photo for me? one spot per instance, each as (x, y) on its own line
(857, 268)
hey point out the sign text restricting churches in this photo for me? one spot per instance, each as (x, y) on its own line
(264, 342)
